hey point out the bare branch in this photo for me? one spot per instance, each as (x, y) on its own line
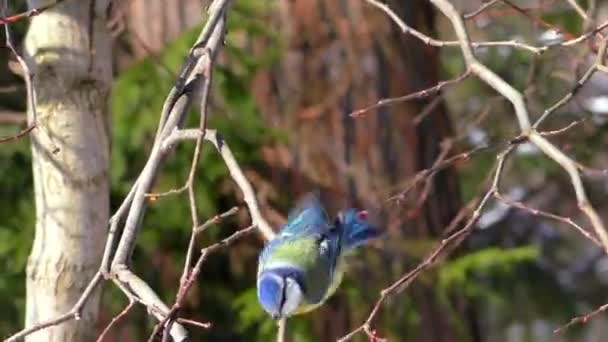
(193, 275)
(579, 10)
(521, 112)
(406, 29)
(197, 230)
(581, 319)
(68, 316)
(450, 242)
(563, 129)
(32, 121)
(597, 65)
(194, 81)
(537, 50)
(419, 94)
(485, 6)
(195, 77)
(545, 214)
(17, 136)
(5, 20)
(115, 320)
(236, 172)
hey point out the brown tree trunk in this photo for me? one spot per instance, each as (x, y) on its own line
(154, 23)
(342, 56)
(69, 51)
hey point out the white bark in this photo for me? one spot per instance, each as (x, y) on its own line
(69, 51)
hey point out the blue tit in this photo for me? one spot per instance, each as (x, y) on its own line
(303, 265)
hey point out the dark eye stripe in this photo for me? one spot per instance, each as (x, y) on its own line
(283, 296)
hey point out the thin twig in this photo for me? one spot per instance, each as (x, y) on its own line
(193, 275)
(195, 76)
(481, 9)
(581, 319)
(204, 325)
(235, 170)
(416, 95)
(17, 136)
(563, 129)
(74, 313)
(545, 214)
(32, 120)
(598, 63)
(195, 232)
(5, 20)
(406, 29)
(438, 165)
(521, 112)
(537, 50)
(115, 320)
(431, 259)
(538, 20)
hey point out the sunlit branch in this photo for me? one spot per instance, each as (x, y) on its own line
(537, 50)
(193, 276)
(579, 10)
(451, 242)
(523, 118)
(194, 79)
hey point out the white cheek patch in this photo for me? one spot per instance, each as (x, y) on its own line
(293, 297)
(324, 246)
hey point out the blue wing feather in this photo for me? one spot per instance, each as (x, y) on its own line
(306, 218)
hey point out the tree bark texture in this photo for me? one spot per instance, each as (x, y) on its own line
(342, 56)
(171, 18)
(68, 49)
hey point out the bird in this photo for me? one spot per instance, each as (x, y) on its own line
(303, 265)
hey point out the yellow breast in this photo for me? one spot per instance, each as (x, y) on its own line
(336, 280)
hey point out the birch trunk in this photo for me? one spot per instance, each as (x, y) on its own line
(69, 52)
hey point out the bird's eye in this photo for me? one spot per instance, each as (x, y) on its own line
(362, 215)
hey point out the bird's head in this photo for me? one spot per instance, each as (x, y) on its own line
(358, 227)
(354, 217)
(280, 291)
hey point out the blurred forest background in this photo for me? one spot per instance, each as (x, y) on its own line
(289, 76)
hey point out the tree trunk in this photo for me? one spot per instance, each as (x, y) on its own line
(172, 18)
(69, 51)
(342, 56)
